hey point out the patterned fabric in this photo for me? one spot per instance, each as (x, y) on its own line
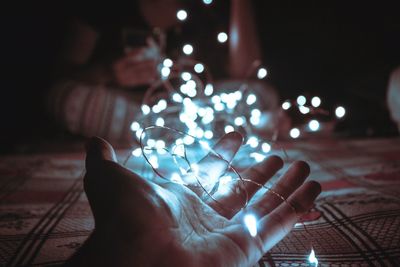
(45, 216)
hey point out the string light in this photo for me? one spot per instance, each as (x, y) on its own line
(145, 109)
(286, 105)
(207, 2)
(251, 99)
(304, 109)
(313, 125)
(181, 15)
(199, 68)
(208, 90)
(312, 259)
(315, 101)
(294, 133)
(135, 126)
(261, 73)
(340, 112)
(222, 37)
(187, 49)
(168, 63)
(301, 100)
(251, 223)
(165, 72)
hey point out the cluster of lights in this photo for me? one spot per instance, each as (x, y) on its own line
(313, 125)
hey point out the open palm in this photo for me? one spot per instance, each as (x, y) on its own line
(143, 223)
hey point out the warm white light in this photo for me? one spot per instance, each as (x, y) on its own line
(266, 147)
(135, 126)
(208, 90)
(187, 49)
(165, 71)
(312, 259)
(251, 223)
(315, 101)
(160, 122)
(304, 109)
(137, 152)
(251, 99)
(301, 100)
(261, 73)
(145, 109)
(239, 121)
(181, 15)
(199, 68)
(286, 105)
(294, 133)
(222, 37)
(207, 2)
(313, 125)
(168, 63)
(340, 112)
(229, 128)
(186, 76)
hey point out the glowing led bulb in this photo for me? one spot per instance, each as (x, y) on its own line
(168, 63)
(208, 90)
(312, 259)
(176, 178)
(262, 73)
(256, 113)
(135, 126)
(186, 76)
(304, 109)
(257, 156)
(313, 125)
(315, 101)
(294, 133)
(181, 15)
(137, 152)
(165, 71)
(340, 112)
(208, 134)
(222, 37)
(199, 68)
(229, 128)
(187, 49)
(207, 2)
(266, 147)
(250, 222)
(301, 100)
(251, 99)
(286, 105)
(177, 98)
(239, 121)
(153, 161)
(252, 141)
(160, 122)
(145, 109)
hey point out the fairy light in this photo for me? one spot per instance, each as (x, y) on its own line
(286, 105)
(208, 134)
(187, 49)
(251, 99)
(160, 122)
(145, 109)
(181, 15)
(315, 101)
(340, 112)
(207, 2)
(208, 90)
(312, 259)
(294, 133)
(266, 147)
(252, 141)
(135, 126)
(199, 68)
(313, 125)
(186, 76)
(177, 98)
(239, 121)
(222, 37)
(304, 109)
(229, 128)
(168, 63)
(262, 73)
(137, 152)
(251, 223)
(257, 156)
(301, 100)
(165, 72)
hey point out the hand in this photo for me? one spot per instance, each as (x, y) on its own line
(142, 223)
(138, 67)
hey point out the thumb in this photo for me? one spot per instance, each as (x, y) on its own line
(98, 150)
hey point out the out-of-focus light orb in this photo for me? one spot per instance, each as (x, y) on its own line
(208, 134)
(262, 73)
(256, 113)
(251, 99)
(294, 133)
(187, 49)
(250, 222)
(304, 109)
(188, 140)
(145, 109)
(208, 90)
(257, 156)
(252, 141)
(156, 109)
(239, 121)
(168, 63)
(153, 161)
(286, 105)
(135, 126)
(219, 107)
(177, 98)
(160, 144)
(176, 178)
(165, 71)
(254, 120)
(137, 152)
(312, 258)
(222, 37)
(181, 15)
(266, 147)
(315, 101)
(160, 122)
(186, 76)
(313, 125)
(229, 128)
(340, 112)
(139, 133)
(199, 68)
(301, 100)
(207, 2)
(162, 104)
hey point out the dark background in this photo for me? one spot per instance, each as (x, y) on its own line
(342, 51)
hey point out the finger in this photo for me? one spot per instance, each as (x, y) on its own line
(287, 184)
(259, 175)
(276, 225)
(98, 150)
